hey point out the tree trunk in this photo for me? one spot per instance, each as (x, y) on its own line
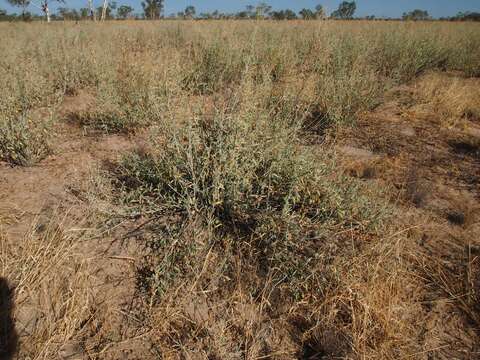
(47, 13)
(92, 10)
(46, 10)
(104, 9)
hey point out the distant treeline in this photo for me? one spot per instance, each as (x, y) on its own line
(466, 16)
(154, 9)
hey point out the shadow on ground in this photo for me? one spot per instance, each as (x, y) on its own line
(8, 335)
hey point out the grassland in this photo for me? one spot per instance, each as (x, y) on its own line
(241, 189)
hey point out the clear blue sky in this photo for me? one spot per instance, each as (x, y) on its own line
(386, 8)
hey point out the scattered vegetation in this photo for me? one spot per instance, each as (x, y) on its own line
(254, 242)
(154, 10)
(23, 141)
(455, 100)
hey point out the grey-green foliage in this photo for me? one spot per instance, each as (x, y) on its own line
(345, 10)
(221, 168)
(246, 179)
(23, 141)
(214, 67)
(153, 9)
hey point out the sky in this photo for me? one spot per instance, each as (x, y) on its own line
(379, 8)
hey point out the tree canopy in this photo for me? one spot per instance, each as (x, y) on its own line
(153, 9)
(345, 10)
(416, 14)
(307, 14)
(190, 12)
(124, 11)
(23, 4)
(283, 15)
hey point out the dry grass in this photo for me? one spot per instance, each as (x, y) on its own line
(454, 99)
(53, 297)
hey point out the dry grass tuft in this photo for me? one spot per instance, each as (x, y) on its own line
(53, 302)
(454, 99)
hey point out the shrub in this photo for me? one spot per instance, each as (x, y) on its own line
(214, 67)
(245, 179)
(127, 99)
(23, 141)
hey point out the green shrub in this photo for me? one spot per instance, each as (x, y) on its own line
(127, 99)
(214, 66)
(341, 96)
(23, 141)
(246, 180)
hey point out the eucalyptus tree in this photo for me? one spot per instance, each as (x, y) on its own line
(189, 12)
(345, 10)
(307, 14)
(416, 14)
(262, 10)
(43, 6)
(23, 4)
(320, 12)
(125, 12)
(152, 9)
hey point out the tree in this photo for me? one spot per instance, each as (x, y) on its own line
(92, 10)
(205, 16)
(345, 10)
(283, 15)
(68, 14)
(416, 15)
(277, 15)
(469, 16)
(320, 12)
(83, 13)
(124, 12)
(290, 14)
(46, 9)
(152, 9)
(242, 15)
(23, 4)
(262, 10)
(4, 15)
(189, 12)
(106, 10)
(307, 14)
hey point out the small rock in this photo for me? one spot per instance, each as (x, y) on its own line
(473, 132)
(27, 318)
(408, 131)
(72, 350)
(357, 152)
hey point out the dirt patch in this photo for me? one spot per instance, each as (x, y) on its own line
(27, 192)
(81, 102)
